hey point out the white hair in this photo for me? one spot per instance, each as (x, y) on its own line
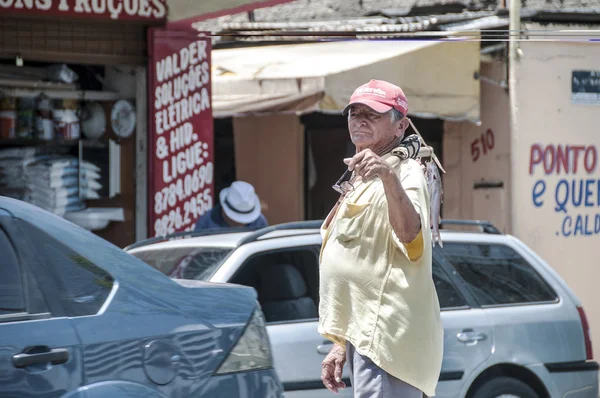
(395, 115)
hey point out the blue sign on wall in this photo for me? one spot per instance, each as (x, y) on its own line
(585, 87)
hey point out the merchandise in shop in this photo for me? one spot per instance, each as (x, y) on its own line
(25, 117)
(53, 182)
(93, 120)
(56, 183)
(66, 119)
(13, 182)
(61, 73)
(44, 119)
(122, 118)
(55, 120)
(8, 117)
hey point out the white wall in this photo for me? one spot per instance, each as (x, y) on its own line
(567, 237)
(469, 161)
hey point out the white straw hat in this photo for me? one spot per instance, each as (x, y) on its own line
(240, 202)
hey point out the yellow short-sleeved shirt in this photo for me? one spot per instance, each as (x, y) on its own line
(372, 294)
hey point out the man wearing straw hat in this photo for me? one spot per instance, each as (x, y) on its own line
(238, 206)
(378, 302)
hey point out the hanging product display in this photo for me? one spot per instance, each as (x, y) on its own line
(93, 120)
(122, 118)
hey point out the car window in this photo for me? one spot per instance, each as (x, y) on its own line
(497, 274)
(11, 283)
(448, 294)
(287, 282)
(81, 286)
(184, 262)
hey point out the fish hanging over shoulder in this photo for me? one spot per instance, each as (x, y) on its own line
(434, 185)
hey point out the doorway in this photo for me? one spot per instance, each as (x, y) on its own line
(327, 143)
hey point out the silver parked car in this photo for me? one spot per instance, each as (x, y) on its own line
(512, 326)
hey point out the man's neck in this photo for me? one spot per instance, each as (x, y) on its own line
(383, 149)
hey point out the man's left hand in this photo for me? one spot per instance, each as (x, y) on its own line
(368, 165)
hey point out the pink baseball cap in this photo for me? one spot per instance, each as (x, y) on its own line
(379, 95)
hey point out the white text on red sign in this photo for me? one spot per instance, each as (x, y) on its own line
(113, 9)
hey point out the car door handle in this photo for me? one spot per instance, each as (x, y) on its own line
(324, 348)
(55, 356)
(470, 336)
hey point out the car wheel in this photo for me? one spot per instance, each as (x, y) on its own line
(505, 387)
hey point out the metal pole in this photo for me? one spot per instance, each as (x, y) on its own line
(514, 29)
(514, 34)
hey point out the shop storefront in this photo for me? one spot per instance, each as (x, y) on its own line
(85, 89)
(105, 111)
(73, 108)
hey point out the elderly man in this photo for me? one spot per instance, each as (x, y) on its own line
(378, 303)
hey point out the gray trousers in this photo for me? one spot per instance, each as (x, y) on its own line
(370, 381)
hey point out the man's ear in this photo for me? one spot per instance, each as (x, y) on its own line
(402, 126)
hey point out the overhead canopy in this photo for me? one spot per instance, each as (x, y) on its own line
(185, 12)
(437, 77)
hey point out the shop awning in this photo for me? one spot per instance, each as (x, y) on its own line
(436, 76)
(183, 13)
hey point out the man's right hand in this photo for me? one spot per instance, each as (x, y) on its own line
(332, 366)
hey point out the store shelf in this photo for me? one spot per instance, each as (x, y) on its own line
(32, 89)
(35, 84)
(65, 94)
(30, 142)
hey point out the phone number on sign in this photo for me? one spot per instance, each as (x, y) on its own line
(182, 189)
(177, 219)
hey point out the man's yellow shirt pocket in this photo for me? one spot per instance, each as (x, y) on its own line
(350, 222)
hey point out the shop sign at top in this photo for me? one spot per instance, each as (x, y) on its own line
(140, 10)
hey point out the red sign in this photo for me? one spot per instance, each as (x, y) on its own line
(180, 130)
(140, 10)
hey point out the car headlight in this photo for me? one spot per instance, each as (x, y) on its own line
(253, 349)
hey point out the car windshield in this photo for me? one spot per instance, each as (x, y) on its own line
(185, 262)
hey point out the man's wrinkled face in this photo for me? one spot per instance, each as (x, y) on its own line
(369, 129)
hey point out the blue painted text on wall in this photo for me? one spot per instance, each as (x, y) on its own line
(577, 198)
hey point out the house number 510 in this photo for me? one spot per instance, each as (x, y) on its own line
(482, 144)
